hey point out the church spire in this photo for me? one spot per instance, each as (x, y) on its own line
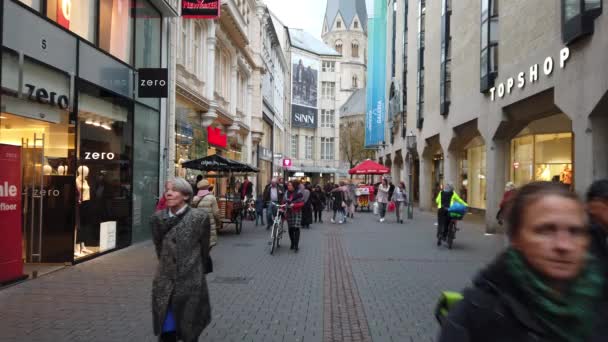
(348, 10)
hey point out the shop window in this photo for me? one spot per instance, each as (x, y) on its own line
(115, 35)
(489, 44)
(34, 4)
(473, 176)
(542, 157)
(578, 17)
(190, 138)
(104, 172)
(79, 16)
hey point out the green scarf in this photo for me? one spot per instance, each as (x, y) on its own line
(570, 316)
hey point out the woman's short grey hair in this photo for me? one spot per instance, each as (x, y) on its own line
(181, 185)
(449, 186)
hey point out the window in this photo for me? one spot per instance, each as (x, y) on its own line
(116, 38)
(328, 118)
(355, 81)
(309, 143)
(328, 66)
(339, 24)
(446, 58)
(355, 49)
(294, 146)
(328, 90)
(404, 80)
(184, 42)
(148, 33)
(197, 56)
(356, 24)
(79, 17)
(394, 40)
(327, 148)
(489, 44)
(338, 46)
(420, 79)
(578, 18)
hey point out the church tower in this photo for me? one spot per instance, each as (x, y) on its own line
(345, 30)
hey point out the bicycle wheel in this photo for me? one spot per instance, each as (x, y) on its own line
(451, 233)
(273, 237)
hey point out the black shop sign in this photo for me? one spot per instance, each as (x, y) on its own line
(153, 83)
(304, 117)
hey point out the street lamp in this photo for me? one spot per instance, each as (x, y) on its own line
(411, 147)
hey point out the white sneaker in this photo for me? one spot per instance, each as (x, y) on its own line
(381, 219)
(333, 221)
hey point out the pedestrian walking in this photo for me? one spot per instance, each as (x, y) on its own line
(259, 210)
(382, 197)
(295, 201)
(318, 203)
(329, 199)
(338, 204)
(508, 195)
(597, 206)
(544, 286)
(246, 189)
(205, 200)
(273, 195)
(180, 298)
(307, 210)
(399, 198)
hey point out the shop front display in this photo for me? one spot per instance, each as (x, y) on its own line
(190, 139)
(473, 174)
(542, 157)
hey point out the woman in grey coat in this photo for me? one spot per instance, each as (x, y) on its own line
(180, 298)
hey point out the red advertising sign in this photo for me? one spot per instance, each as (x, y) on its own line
(286, 162)
(201, 9)
(11, 262)
(64, 11)
(216, 138)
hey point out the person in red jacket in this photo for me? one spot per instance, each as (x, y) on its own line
(509, 193)
(295, 202)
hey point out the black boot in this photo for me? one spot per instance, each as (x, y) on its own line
(291, 238)
(296, 235)
(168, 337)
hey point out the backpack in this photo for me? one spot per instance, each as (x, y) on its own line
(447, 301)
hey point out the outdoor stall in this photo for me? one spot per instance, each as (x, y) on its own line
(230, 204)
(365, 192)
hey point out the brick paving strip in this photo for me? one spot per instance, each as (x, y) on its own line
(344, 316)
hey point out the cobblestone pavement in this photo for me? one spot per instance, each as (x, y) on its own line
(360, 281)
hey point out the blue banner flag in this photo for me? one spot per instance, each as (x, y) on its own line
(376, 76)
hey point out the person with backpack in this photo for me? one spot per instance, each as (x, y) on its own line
(205, 200)
(445, 199)
(545, 286)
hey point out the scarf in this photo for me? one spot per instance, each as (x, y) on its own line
(570, 316)
(203, 193)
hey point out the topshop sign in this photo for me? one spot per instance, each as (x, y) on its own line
(548, 67)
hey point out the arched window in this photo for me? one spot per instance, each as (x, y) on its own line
(355, 81)
(355, 48)
(339, 46)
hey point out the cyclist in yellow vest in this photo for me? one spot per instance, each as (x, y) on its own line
(444, 201)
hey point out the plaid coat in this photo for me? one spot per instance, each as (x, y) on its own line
(294, 215)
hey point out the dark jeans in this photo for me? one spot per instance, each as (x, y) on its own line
(294, 236)
(259, 217)
(271, 212)
(342, 211)
(318, 215)
(443, 221)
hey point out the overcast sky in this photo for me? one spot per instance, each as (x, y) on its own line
(307, 15)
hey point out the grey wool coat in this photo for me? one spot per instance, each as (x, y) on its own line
(182, 246)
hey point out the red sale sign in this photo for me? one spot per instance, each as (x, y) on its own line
(11, 262)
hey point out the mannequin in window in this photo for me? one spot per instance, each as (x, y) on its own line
(84, 192)
(84, 195)
(566, 176)
(543, 173)
(47, 170)
(62, 170)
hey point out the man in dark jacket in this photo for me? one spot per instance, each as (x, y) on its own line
(597, 205)
(273, 194)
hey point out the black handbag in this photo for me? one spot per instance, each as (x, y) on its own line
(209, 265)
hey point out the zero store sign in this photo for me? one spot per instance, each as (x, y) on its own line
(547, 68)
(43, 96)
(99, 156)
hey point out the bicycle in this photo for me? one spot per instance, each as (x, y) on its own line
(277, 228)
(450, 235)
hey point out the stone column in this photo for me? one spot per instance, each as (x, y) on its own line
(425, 178)
(497, 165)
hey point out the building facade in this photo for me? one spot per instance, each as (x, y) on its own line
(488, 104)
(218, 100)
(89, 145)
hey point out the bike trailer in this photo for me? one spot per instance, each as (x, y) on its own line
(447, 301)
(457, 211)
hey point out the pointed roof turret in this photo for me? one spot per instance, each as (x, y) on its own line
(348, 9)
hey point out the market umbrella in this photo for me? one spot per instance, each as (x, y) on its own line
(369, 167)
(219, 164)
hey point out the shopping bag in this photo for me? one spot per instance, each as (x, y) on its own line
(375, 205)
(391, 206)
(457, 211)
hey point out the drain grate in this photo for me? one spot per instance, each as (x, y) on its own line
(232, 280)
(243, 244)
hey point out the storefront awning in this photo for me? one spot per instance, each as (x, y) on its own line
(313, 169)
